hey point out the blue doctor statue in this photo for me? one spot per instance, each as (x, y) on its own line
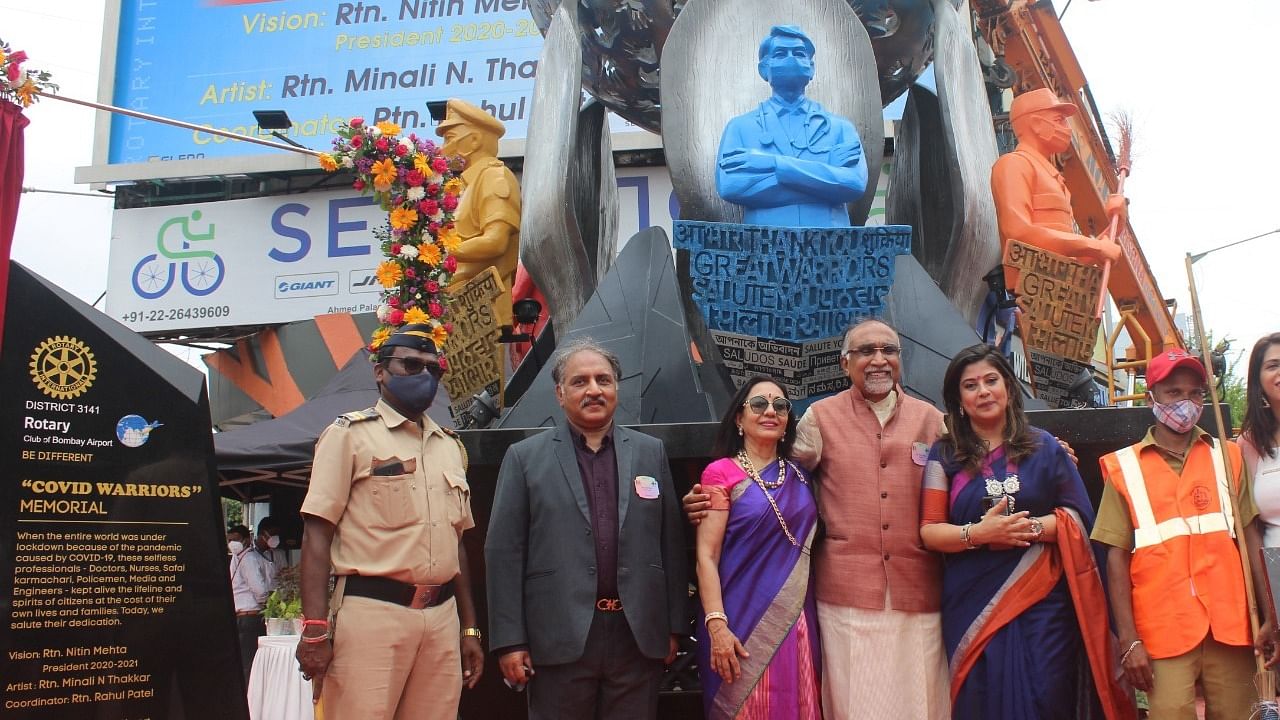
(789, 162)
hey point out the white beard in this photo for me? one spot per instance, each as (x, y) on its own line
(877, 385)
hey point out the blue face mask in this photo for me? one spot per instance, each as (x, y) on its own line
(790, 72)
(415, 393)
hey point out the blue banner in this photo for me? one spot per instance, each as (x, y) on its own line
(213, 62)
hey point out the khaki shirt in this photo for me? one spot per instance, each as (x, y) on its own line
(492, 194)
(1114, 525)
(405, 526)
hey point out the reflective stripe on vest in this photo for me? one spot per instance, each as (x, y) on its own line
(1147, 531)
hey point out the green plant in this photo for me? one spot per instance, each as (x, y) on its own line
(285, 601)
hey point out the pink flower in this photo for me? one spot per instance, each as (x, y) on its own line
(356, 122)
(401, 150)
(439, 164)
(429, 207)
(381, 144)
(450, 264)
(435, 309)
(413, 178)
(422, 207)
(395, 248)
(444, 362)
(433, 287)
(433, 228)
(409, 273)
(395, 317)
(433, 189)
(448, 327)
(450, 203)
(357, 141)
(393, 301)
(358, 184)
(15, 60)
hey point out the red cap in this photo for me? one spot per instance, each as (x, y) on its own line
(1165, 362)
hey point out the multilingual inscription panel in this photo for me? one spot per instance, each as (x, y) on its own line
(475, 356)
(777, 299)
(1057, 296)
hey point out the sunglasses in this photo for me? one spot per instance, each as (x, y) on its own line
(413, 366)
(760, 403)
(866, 351)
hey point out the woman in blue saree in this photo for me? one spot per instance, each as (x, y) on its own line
(758, 644)
(1024, 615)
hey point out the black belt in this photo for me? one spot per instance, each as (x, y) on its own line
(394, 591)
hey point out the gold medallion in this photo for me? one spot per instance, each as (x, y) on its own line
(63, 367)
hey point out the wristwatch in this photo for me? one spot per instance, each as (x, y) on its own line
(1037, 527)
(473, 632)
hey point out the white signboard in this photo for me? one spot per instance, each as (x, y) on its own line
(281, 258)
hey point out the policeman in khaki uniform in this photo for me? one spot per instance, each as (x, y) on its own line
(488, 214)
(386, 509)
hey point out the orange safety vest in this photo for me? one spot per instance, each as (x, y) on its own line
(1185, 573)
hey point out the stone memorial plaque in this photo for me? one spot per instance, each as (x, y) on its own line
(1057, 296)
(475, 355)
(776, 300)
(117, 599)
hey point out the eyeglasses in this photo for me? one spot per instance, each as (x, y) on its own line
(760, 403)
(414, 366)
(866, 351)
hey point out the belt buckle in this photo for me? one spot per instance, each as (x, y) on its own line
(423, 596)
(609, 604)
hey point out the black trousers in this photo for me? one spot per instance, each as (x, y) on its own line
(249, 628)
(611, 681)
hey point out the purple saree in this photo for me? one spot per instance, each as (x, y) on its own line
(768, 597)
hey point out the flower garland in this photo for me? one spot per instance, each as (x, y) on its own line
(419, 187)
(19, 86)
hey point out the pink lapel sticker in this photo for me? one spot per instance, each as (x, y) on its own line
(646, 487)
(919, 453)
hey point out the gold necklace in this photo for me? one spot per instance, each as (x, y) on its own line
(746, 464)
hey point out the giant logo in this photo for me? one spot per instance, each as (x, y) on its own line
(308, 285)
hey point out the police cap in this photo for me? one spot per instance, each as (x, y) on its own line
(416, 336)
(461, 112)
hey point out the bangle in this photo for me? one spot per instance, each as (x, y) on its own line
(715, 616)
(964, 535)
(315, 639)
(1132, 645)
(472, 632)
(318, 623)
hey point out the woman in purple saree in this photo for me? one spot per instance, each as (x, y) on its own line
(1024, 616)
(758, 646)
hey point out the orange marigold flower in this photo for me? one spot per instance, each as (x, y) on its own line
(388, 128)
(439, 335)
(403, 218)
(389, 273)
(327, 163)
(26, 92)
(379, 337)
(429, 253)
(453, 186)
(416, 315)
(450, 239)
(384, 173)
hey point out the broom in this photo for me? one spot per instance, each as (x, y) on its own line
(1263, 680)
(1124, 162)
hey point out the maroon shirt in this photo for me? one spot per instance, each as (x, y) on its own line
(599, 471)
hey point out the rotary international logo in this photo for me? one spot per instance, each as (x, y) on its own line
(63, 367)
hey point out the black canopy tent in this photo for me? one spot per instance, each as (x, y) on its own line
(278, 452)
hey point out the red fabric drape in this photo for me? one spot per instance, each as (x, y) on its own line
(12, 123)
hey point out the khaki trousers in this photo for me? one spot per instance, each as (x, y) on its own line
(1225, 672)
(393, 663)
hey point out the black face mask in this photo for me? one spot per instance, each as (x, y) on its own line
(415, 393)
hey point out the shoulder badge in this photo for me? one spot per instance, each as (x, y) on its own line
(345, 419)
(466, 462)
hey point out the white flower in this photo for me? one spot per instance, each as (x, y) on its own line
(994, 487)
(1011, 484)
(375, 131)
(347, 162)
(415, 194)
(382, 312)
(439, 216)
(409, 252)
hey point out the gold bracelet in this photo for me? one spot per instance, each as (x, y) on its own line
(717, 615)
(473, 632)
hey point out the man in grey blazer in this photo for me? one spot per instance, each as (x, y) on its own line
(586, 556)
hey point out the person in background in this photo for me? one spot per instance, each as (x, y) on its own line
(250, 586)
(267, 543)
(586, 556)
(1022, 596)
(1260, 446)
(386, 508)
(1173, 569)
(758, 647)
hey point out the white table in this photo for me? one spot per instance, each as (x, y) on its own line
(276, 688)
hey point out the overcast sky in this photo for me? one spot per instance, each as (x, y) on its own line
(1196, 80)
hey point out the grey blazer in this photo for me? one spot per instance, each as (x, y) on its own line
(540, 555)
